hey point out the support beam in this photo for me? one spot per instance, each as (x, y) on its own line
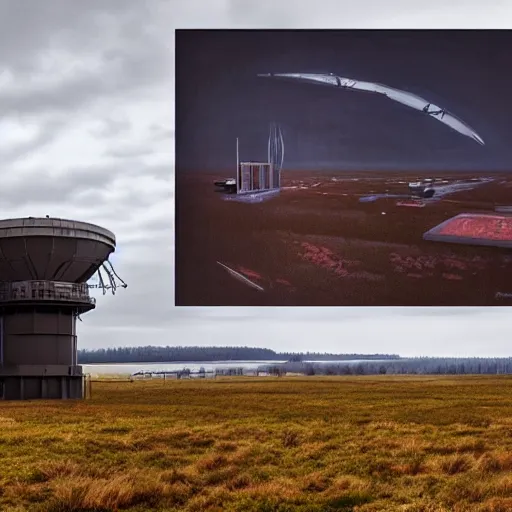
(44, 388)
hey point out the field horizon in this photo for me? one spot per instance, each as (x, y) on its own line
(315, 444)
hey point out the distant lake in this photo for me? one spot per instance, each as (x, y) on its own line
(131, 368)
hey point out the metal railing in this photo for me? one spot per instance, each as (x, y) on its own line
(45, 290)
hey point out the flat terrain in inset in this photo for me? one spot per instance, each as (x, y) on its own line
(318, 244)
(270, 444)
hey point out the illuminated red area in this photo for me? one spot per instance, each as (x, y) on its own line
(411, 203)
(448, 266)
(325, 258)
(490, 227)
(251, 274)
(452, 277)
(413, 265)
(264, 280)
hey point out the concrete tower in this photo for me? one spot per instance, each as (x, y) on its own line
(44, 266)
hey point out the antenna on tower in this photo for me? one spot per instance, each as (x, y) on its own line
(113, 279)
(237, 166)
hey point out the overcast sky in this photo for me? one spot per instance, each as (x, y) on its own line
(86, 106)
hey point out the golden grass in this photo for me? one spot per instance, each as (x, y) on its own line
(316, 444)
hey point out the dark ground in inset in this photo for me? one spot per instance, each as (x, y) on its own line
(317, 245)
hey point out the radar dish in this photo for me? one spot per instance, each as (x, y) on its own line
(52, 249)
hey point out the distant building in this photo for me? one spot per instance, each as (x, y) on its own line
(255, 178)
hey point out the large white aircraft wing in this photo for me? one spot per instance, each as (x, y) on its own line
(403, 97)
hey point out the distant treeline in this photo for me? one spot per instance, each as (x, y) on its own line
(415, 366)
(170, 354)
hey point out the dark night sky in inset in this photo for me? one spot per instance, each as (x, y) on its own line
(219, 97)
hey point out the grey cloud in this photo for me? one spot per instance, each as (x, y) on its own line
(134, 73)
(291, 315)
(139, 58)
(48, 133)
(208, 316)
(129, 152)
(83, 186)
(336, 14)
(162, 132)
(148, 300)
(149, 236)
(111, 127)
(154, 139)
(287, 14)
(162, 171)
(73, 25)
(96, 199)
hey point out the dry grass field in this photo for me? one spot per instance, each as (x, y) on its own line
(272, 445)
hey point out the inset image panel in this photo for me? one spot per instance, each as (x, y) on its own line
(343, 168)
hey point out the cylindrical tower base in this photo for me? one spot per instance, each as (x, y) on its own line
(38, 339)
(41, 382)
